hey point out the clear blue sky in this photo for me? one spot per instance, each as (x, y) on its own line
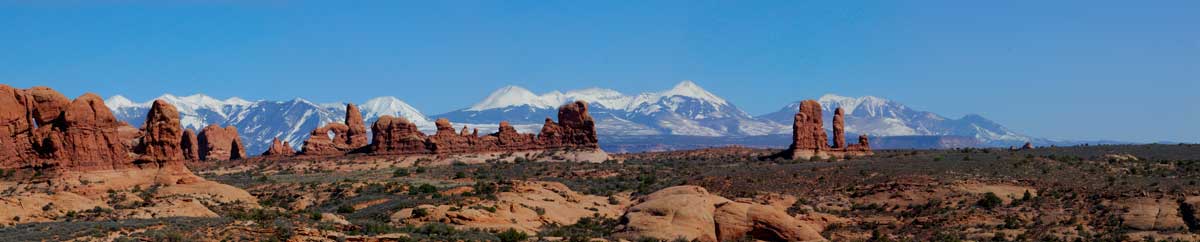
(1123, 70)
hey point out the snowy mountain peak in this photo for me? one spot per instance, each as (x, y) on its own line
(387, 105)
(510, 95)
(118, 101)
(688, 88)
(870, 104)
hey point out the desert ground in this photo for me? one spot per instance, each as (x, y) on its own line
(1082, 193)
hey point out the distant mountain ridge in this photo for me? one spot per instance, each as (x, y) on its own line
(685, 110)
(881, 117)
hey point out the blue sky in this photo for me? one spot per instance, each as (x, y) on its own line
(1123, 70)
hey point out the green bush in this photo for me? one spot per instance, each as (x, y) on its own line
(989, 201)
(345, 208)
(512, 235)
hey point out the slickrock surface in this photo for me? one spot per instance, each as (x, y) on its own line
(691, 213)
(519, 209)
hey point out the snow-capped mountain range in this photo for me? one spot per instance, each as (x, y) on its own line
(881, 117)
(260, 121)
(684, 110)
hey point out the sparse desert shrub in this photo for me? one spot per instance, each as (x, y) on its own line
(420, 212)
(512, 235)
(400, 172)
(989, 201)
(345, 208)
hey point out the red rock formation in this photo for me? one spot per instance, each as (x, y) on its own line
(319, 141)
(163, 134)
(218, 143)
(356, 134)
(338, 138)
(189, 145)
(84, 137)
(393, 135)
(577, 130)
(16, 127)
(809, 138)
(47, 104)
(446, 140)
(279, 148)
(41, 129)
(578, 127)
(839, 129)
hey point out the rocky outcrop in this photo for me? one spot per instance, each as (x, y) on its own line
(393, 135)
(691, 213)
(218, 143)
(356, 130)
(162, 134)
(279, 148)
(338, 138)
(16, 127)
(83, 151)
(809, 138)
(445, 140)
(839, 129)
(575, 130)
(190, 145)
(84, 137)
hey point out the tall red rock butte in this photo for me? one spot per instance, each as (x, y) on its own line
(218, 143)
(396, 135)
(338, 138)
(190, 145)
(163, 135)
(41, 129)
(809, 139)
